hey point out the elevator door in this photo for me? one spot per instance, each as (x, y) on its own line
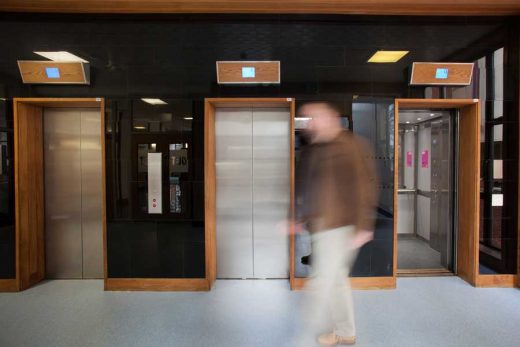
(442, 189)
(73, 193)
(253, 191)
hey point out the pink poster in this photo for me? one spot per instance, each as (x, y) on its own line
(409, 159)
(424, 159)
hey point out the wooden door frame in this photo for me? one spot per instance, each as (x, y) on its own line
(210, 106)
(468, 195)
(24, 277)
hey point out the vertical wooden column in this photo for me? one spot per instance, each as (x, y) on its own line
(468, 192)
(29, 194)
(210, 193)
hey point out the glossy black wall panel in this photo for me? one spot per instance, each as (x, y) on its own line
(7, 214)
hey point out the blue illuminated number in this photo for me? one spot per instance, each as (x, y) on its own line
(441, 73)
(248, 72)
(52, 72)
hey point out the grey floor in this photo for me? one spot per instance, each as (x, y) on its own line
(441, 311)
(416, 253)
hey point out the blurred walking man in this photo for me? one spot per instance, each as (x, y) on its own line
(336, 200)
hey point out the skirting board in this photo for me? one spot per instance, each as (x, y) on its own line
(156, 284)
(9, 285)
(490, 281)
(358, 283)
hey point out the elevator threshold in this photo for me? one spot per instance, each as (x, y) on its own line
(424, 272)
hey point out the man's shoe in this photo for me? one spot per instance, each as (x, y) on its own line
(331, 339)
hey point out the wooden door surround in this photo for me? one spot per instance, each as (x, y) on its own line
(468, 197)
(210, 106)
(29, 184)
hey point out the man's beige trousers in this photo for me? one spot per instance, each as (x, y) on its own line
(328, 299)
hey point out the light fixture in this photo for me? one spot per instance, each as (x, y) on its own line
(387, 56)
(139, 127)
(188, 118)
(432, 114)
(61, 56)
(419, 118)
(407, 122)
(154, 101)
(302, 118)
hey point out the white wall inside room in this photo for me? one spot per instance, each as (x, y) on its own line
(423, 182)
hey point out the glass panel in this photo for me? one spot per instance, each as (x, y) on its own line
(170, 244)
(498, 169)
(498, 141)
(498, 75)
(482, 93)
(178, 164)
(142, 159)
(173, 116)
(7, 218)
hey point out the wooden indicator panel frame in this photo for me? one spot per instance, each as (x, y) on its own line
(441, 74)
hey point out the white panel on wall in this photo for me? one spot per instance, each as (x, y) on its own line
(154, 183)
(423, 217)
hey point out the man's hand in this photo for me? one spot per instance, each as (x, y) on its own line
(361, 238)
(288, 226)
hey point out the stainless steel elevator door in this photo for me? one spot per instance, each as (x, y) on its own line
(441, 205)
(234, 170)
(73, 193)
(253, 191)
(271, 193)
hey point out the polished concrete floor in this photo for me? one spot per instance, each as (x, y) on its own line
(442, 311)
(416, 253)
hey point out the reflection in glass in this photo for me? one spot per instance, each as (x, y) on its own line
(178, 164)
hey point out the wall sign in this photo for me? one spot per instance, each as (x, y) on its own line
(439, 74)
(54, 72)
(154, 183)
(425, 157)
(248, 72)
(409, 159)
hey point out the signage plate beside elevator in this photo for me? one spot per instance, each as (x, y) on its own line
(248, 72)
(439, 74)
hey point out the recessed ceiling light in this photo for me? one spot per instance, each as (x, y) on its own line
(387, 56)
(154, 101)
(419, 118)
(407, 122)
(188, 118)
(432, 114)
(61, 56)
(302, 118)
(139, 127)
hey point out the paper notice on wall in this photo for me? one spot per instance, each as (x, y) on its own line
(154, 183)
(425, 158)
(409, 159)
